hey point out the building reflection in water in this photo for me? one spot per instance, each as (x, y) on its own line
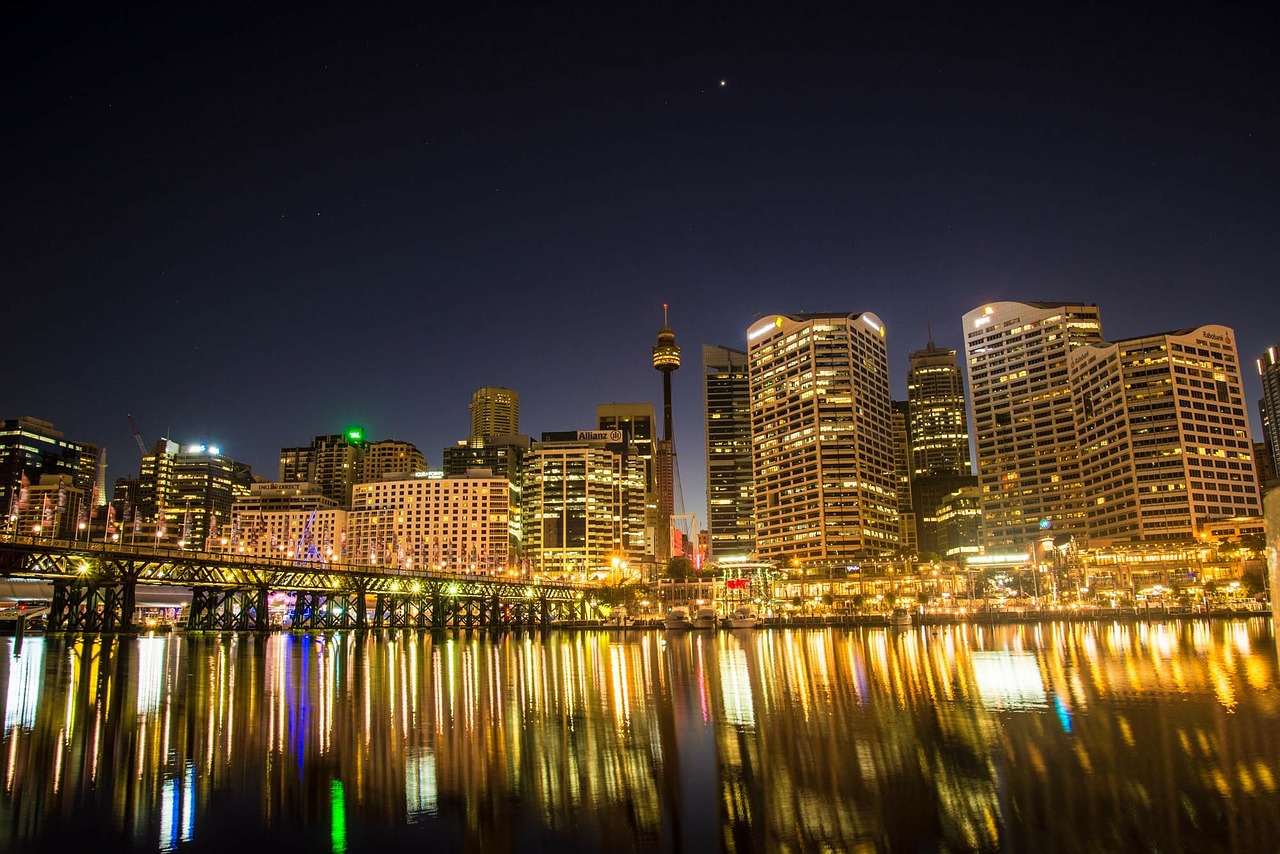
(1156, 736)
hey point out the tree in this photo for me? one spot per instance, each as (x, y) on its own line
(679, 568)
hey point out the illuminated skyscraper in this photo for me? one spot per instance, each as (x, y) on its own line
(822, 438)
(583, 502)
(495, 411)
(666, 359)
(1269, 406)
(902, 478)
(936, 421)
(1164, 435)
(726, 390)
(1021, 414)
(32, 447)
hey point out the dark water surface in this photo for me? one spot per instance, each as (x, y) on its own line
(1161, 737)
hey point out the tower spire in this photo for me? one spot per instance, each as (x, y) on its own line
(928, 325)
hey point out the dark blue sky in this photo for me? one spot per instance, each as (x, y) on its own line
(250, 227)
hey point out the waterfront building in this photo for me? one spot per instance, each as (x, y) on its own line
(726, 397)
(429, 521)
(1263, 460)
(32, 448)
(907, 524)
(1269, 406)
(822, 439)
(928, 492)
(55, 507)
(584, 503)
(293, 521)
(331, 462)
(499, 456)
(495, 411)
(1020, 409)
(1164, 435)
(389, 457)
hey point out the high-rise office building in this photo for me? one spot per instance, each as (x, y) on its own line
(188, 492)
(1269, 406)
(726, 397)
(937, 422)
(639, 429)
(331, 462)
(822, 438)
(908, 537)
(1021, 414)
(583, 503)
(495, 411)
(388, 457)
(32, 447)
(1164, 435)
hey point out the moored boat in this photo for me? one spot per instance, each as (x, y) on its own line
(901, 618)
(744, 617)
(705, 618)
(678, 618)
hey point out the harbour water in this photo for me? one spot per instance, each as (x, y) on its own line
(1159, 736)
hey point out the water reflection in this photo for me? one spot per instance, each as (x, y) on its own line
(1080, 737)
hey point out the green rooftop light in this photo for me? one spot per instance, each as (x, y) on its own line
(355, 434)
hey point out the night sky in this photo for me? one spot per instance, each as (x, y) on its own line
(248, 227)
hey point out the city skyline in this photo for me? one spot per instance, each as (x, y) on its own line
(249, 232)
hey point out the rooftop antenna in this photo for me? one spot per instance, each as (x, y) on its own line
(928, 324)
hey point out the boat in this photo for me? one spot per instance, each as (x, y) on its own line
(619, 617)
(678, 618)
(744, 617)
(705, 618)
(901, 618)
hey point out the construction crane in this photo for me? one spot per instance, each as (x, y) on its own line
(137, 435)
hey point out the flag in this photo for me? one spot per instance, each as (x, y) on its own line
(62, 497)
(46, 514)
(93, 501)
(23, 492)
(111, 519)
(137, 524)
(186, 524)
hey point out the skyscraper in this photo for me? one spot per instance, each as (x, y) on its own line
(1164, 435)
(32, 447)
(822, 438)
(1269, 406)
(495, 411)
(726, 397)
(583, 503)
(1021, 414)
(937, 424)
(331, 462)
(908, 537)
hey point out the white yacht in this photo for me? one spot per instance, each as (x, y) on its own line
(901, 618)
(619, 617)
(705, 618)
(678, 618)
(744, 617)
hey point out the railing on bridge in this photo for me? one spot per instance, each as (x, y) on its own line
(94, 587)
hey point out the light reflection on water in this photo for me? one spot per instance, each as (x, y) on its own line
(1162, 736)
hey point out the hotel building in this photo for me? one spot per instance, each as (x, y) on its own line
(292, 521)
(425, 520)
(822, 439)
(1164, 436)
(1021, 413)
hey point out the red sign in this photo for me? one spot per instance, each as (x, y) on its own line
(736, 584)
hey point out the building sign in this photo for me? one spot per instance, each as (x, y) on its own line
(599, 435)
